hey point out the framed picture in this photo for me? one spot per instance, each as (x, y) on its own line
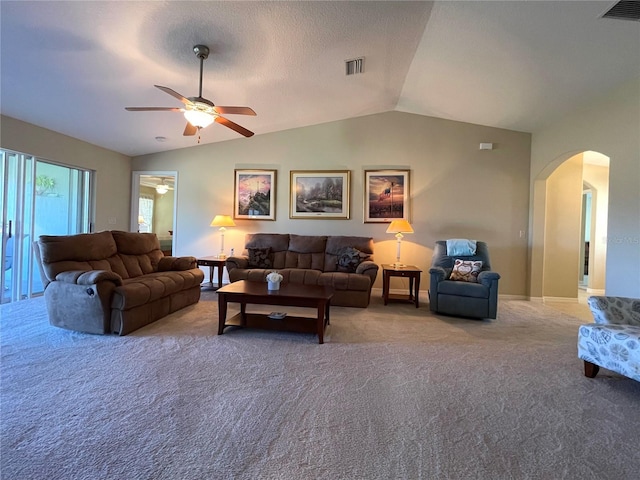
(386, 195)
(319, 194)
(254, 195)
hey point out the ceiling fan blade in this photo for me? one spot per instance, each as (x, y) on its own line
(189, 130)
(234, 110)
(175, 94)
(234, 126)
(154, 109)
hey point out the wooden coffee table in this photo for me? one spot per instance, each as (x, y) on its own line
(290, 295)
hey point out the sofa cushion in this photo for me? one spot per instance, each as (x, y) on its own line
(85, 251)
(140, 253)
(259, 257)
(345, 281)
(306, 251)
(463, 289)
(131, 243)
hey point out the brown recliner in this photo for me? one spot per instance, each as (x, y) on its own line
(113, 281)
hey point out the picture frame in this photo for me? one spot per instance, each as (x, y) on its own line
(254, 194)
(386, 195)
(319, 194)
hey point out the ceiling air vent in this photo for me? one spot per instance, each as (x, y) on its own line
(624, 10)
(354, 66)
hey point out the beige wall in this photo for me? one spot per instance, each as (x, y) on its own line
(113, 170)
(611, 126)
(562, 232)
(456, 189)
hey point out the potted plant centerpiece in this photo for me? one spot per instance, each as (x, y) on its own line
(273, 281)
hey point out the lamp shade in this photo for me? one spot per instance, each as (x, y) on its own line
(222, 221)
(400, 226)
(162, 189)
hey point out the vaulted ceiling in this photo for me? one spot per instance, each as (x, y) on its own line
(73, 67)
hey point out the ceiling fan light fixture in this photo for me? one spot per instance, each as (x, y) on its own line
(198, 118)
(162, 189)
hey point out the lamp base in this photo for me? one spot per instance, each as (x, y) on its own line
(221, 256)
(399, 265)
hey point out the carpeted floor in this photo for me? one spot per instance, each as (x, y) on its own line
(394, 393)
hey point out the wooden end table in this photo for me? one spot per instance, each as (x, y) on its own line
(212, 262)
(291, 295)
(407, 271)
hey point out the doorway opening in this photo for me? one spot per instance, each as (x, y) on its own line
(575, 228)
(153, 206)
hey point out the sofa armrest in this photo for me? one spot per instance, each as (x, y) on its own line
(89, 277)
(487, 278)
(368, 268)
(237, 262)
(176, 263)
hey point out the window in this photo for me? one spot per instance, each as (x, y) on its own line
(145, 216)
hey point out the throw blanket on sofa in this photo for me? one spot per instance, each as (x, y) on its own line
(461, 247)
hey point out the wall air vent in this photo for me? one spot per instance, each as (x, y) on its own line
(354, 66)
(624, 10)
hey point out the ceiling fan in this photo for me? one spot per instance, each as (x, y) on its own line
(199, 111)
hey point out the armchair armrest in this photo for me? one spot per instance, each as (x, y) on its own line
(615, 310)
(487, 277)
(237, 262)
(176, 263)
(88, 277)
(368, 268)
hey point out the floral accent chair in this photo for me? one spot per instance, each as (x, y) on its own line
(613, 342)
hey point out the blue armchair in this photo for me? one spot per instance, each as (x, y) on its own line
(477, 298)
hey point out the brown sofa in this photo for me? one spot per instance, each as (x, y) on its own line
(311, 260)
(113, 281)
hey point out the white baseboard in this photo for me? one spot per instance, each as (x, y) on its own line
(508, 296)
(560, 299)
(595, 291)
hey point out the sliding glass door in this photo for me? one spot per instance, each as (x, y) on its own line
(36, 198)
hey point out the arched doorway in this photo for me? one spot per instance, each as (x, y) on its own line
(564, 225)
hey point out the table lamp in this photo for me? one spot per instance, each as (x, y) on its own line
(399, 227)
(222, 221)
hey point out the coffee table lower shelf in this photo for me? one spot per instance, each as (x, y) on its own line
(261, 321)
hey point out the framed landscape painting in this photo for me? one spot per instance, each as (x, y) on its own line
(319, 194)
(386, 195)
(254, 195)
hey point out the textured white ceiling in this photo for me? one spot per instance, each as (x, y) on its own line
(72, 67)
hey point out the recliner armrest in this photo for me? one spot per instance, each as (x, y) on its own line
(437, 273)
(368, 268)
(88, 277)
(236, 262)
(487, 277)
(167, 264)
